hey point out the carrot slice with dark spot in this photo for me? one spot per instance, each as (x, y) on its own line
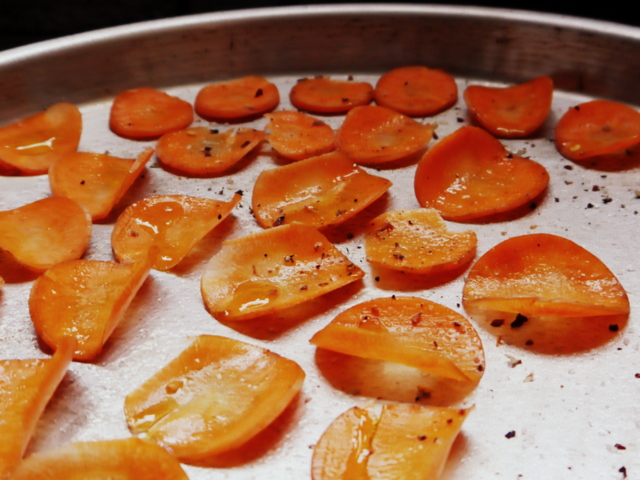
(324, 95)
(296, 136)
(236, 99)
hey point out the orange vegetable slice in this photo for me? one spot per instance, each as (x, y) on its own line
(324, 95)
(31, 145)
(202, 151)
(544, 275)
(46, 232)
(26, 387)
(173, 223)
(272, 270)
(148, 113)
(416, 90)
(374, 135)
(215, 396)
(318, 191)
(596, 128)
(96, 181)
(410, 331)
(296, 136)
(469, 175)
(237, 99)
(511, 112)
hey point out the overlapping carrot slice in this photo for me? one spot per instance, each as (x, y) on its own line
(324, 95)
(597, 128)
(148, 113)
(238, 98)
(215, 396)
(469, 175)
(296, 136)
(416, 90)
(544, 275)
(46, 232)
(31, 145)
(375, 135)
(318, 191)
(94, 180)
(511, 112)
(272, 270)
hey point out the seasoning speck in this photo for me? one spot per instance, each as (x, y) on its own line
(511, 434)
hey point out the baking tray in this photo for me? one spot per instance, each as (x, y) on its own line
(575, 414)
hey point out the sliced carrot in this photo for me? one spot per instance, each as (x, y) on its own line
(215, 396)
(96, 181)
(173, 223)
(469, 175)
(544, 275)
(236, 99)
(596, 128)
(148, 113)
(296, 136)
(318, 191)
(31, 145)
(511, 112)
(46, 232)
(202, 151)
(416, 90)
(272, 270)
(324, 95)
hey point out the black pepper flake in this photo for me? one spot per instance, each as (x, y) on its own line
(519, 321)
(240, 192)
(576, 108)
(82, 182)
(511, 434)
(557, 200)
(244, 144)
(480, 368)
(533, 205)
(434, 135)
(620, 447)
(345, 100)
(398, 256)
(422, 437)
(377, 279)
(304, 287)
(350, 236)
(589, 205)
(214, 131)
(350, 78)
(607, 200)
(568, 167)
(613, 328)
(259, 93)
(457, 324)
(623, 471)
(460, 120)
(529, 343)
(498, 322)
(279, 221)
(510, 155)
(219, 217)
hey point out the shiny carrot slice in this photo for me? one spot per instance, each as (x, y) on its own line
(201, 151)
(272, 270)
(318, 191)
(46, 232)
(469, 175)
(417, 241)
(126, 459)
(215, 396)
(236, 99)
(374, 135)
(173, 223)
(511, 112)
(296, 136)
(31, 145)
(410, 331)
(25, 389)
(416, 90)
(324, 95)
(596, 128)
(544, 275)
(148, 113)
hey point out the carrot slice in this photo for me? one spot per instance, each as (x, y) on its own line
(416, 90)
(410, 331)
(596, 128)
(296, 136)
(374, 135)
(31, 145)
(544, 275)
(202, 151)
(324, 95)
(272, 270)
(148, 113)
(173, 223)
(126, 459)
(511, 112)
(46, 232)
(238, 98)
(96, 181)
(26, 387)
(318, 191)
(215, 396)
(469, 175)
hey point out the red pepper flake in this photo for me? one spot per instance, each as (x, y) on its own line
(620, 447)
(637, 375)
(519, 321)
(498, 322)
(511, 434)
(595, 188)
(134, 233)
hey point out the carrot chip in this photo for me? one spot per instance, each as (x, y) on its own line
(324, 95)
(237, 99)
(297, 136)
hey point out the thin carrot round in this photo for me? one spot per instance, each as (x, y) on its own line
(297, 136)
(324, 95)
(238, 98)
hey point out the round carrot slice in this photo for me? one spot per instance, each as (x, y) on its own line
(596, 128)
(511, 112)
(148, 113)
(324, 95)
(416, 90)
(469, 175)
(236, 99)
(297, 136)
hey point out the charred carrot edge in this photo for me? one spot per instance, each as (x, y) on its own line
(324, 95)
(237, 99)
